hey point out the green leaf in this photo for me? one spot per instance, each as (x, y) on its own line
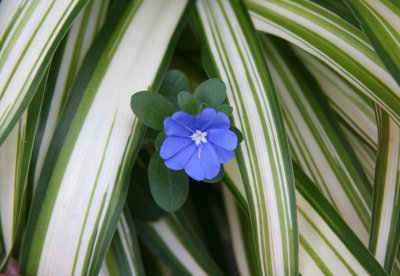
(188, 103)
(355, 110)
(174, 240)
(104, 138)
(385, 235)
(174, 82)
(64, 68)
(317, 215)
(333, 40)
(316, 140)
(203, 105)
(235, 56)
(169, 188)
(217, 178)
(15, 153)
(339, 7)
(27, 46)
(227, 109)
(124, 256)
(140, 200)
(327, 244)
(240, 230)
(380, 21)
(160, 140)
(211, 92)
(151, 108)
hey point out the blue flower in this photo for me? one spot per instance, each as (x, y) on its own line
(198, 144)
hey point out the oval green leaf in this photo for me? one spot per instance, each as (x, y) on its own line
(227, 109)
(174, 82)
(169, 188)
(211, 92)
(160, 140)
(188, 103)
(151, 108)
(140, 200)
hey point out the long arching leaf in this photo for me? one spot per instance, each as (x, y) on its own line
(32, 37)
(316, 140)
(379, 20)
(174, 241)
(84, 180)
(327, 246)
(123, 256)
(333, 40)
(15, 158)
(68, 59)
(385, 226)
(234, 55)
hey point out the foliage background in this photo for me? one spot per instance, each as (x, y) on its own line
(315, 89)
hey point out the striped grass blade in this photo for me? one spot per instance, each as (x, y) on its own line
(173, 240)
(234, 55)
(317, 143)
(8, 11)
(385, 230)
(343, 253)
(240, 230)
(365, 155)
(31, 38)
(84, 180)
(379, 20)
(327, 246)
(334, 41)
(15, 157)
(68, 58)
(356, 112)
(123, 256)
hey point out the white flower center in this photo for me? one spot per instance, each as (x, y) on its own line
(199, 137)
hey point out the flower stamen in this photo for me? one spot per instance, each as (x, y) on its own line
(199, 137)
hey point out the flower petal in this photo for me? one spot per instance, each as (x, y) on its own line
(179, 160)
(210, 161)
(205, 166)
(173, 145)
(205, 118)
(172, 128)
(193, 167)
(223, 154)
(185, 119)
(221, 121)
(223, 138)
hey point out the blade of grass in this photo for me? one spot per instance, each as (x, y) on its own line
(233, 54)
(317, 143)
(124, 257)
(15, 158)
(69, 57)
(32, 37)
(84, 180)
(327, 245)
(355, 110)
(379, 20)
(385, 230)
(334, 41)
(173, 240)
